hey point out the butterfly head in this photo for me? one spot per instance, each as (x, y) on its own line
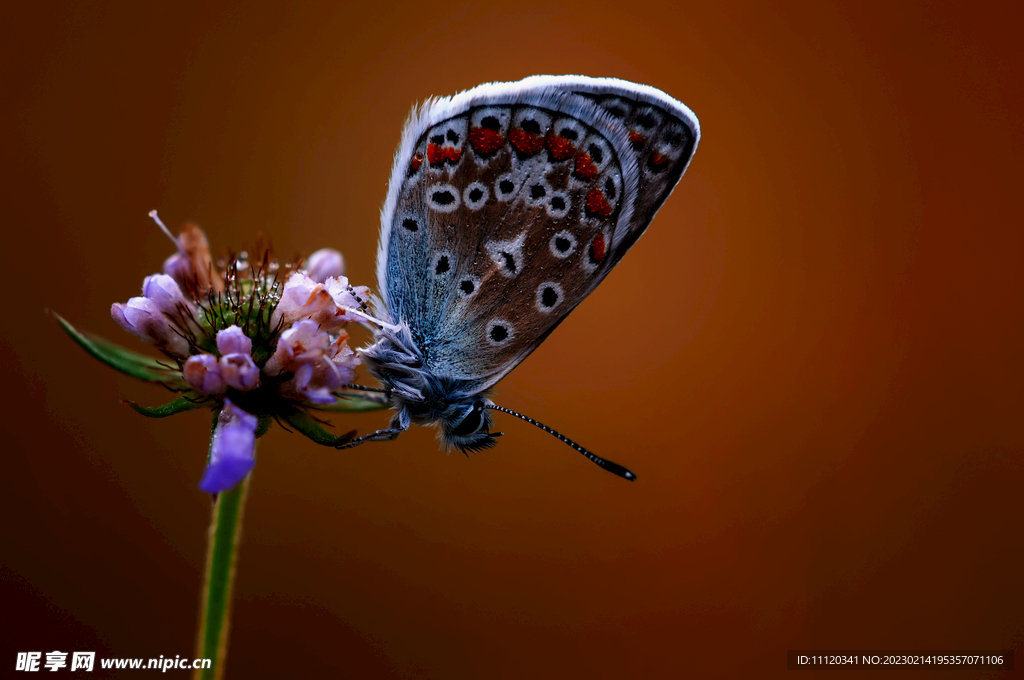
(466, 426)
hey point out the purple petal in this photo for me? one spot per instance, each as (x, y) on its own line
(232, 454)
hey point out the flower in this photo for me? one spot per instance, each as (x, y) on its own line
(324, 264)
(233, 450)
(239, 342)
(327, 303)
(143, 318)
(236, 364)
(304, 298)
(202, 373)
(319, 364)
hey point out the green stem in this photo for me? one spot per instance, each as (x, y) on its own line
(215, 618)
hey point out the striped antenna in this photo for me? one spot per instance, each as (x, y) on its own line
(608, 465)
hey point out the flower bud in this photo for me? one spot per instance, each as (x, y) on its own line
(240, 371)
(232, 452)
(232, 340)
(164, 291)
(142, 318)
(324, 264)
(202, 373)
(179, 268)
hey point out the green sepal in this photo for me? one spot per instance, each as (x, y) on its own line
(352, 404)
(128, 362)
(305, 424)
(263, 425)
(179, 405)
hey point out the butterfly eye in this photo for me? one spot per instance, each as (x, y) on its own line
(472, 421)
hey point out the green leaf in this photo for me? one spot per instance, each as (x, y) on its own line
(128, 362)
(305, 424)
(355, 403)
(179, 405)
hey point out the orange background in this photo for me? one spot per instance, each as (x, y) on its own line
(812, 360)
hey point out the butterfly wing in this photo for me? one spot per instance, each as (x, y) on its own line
(510, 202)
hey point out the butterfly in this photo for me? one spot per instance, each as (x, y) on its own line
(507, 205)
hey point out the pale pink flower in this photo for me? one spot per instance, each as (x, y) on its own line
(304, 342)
(324, 264)
(319, 365)
(346, 296)
(303, 298)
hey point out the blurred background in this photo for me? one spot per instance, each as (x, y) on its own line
(812, 359)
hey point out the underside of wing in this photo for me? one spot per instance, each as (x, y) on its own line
(510, 202)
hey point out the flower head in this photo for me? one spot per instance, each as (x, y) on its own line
(247, 337)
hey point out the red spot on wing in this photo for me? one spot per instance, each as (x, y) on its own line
(437, 154)
(525, 142)
(560, 147)
(637, 139)
(597, 204)
(585, 167)
(485, 141)
(416, 162)
(659, 162)
(597, 248)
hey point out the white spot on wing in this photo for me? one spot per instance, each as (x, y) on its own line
(548, 287)
(493, 328)
(482, 193)
(564, 235)
(443, 198)
(508, 255)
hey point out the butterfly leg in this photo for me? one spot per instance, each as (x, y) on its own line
(378, 436)
(398, 425)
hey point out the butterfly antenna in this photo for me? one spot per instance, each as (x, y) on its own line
(366, 388)
(608, 465)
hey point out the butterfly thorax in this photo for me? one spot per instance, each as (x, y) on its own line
(423, 396)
